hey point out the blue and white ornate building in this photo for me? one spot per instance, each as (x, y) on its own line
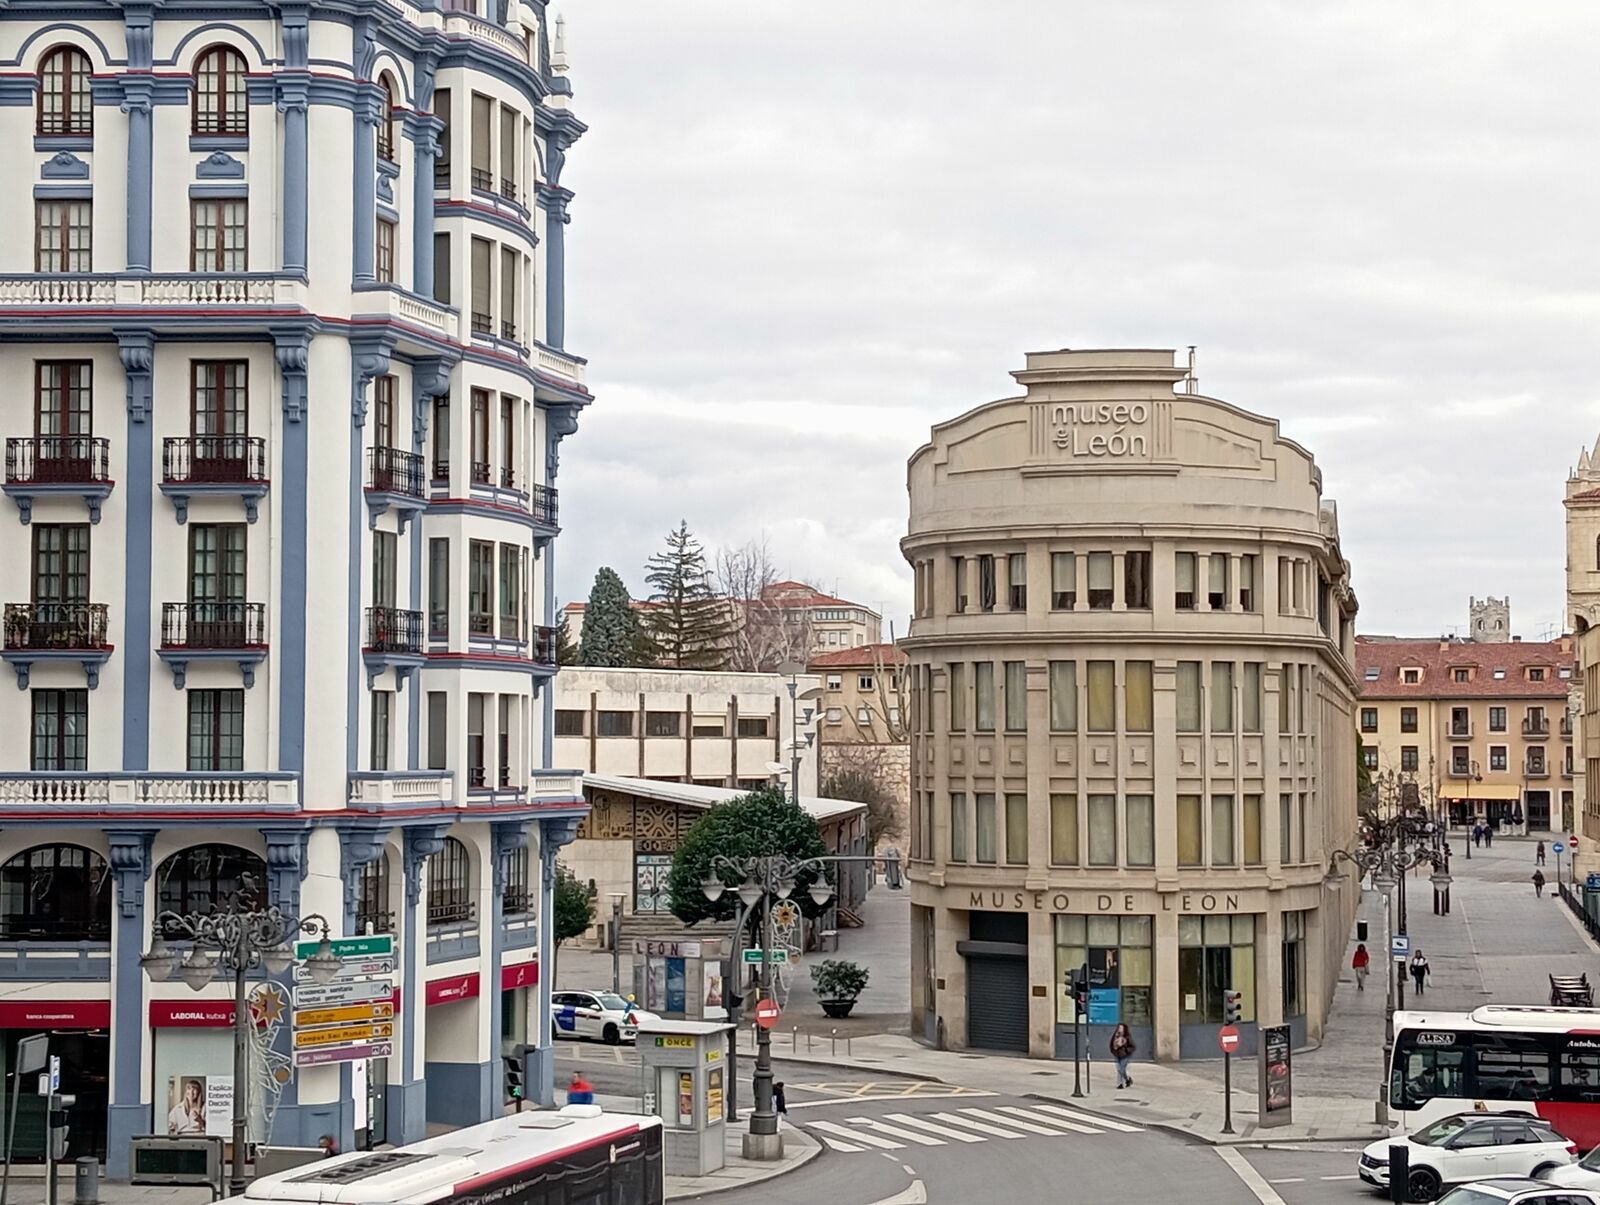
(281, 305)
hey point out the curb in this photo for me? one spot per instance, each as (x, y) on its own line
(802, 1161)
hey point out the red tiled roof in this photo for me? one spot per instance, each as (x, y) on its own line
(1437, 659)
(798, 594)
(1586, 496)
(862, 656)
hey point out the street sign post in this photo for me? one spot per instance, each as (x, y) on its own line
(775, 957)
(768, 1013)
(351, 1017)
(336, 995)
(1400, 947)
(353, 1014)
(1228, 1039)
(380, 946)
(321, 1055)
(344, 1035)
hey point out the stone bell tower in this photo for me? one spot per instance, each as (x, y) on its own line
(1490, 620)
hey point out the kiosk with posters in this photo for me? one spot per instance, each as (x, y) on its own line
(685, 1080)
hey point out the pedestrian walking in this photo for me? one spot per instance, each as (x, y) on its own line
(1538, 883)
(1420, 970)
(1360, 962)
(1122, 1050)
(779, 1103)
(1477, 835)
(1488, 832)
(1538, 854)
(580, 1091)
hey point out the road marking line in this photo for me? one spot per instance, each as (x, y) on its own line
(908, 1169)
(915, 1195)
(883, 1144)
(1339, 1177)
(922, 1123)
(856, 1100)
(1249, 1176)
(998, 1119)
(1045, 1119)
(956, 1119)
(908, 1135)
(1104, 1123)
(1289, 1180)
(835, 1145)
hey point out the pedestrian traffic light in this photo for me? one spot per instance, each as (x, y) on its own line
(1078, 985)
(1232, 1006)
(516, 1089)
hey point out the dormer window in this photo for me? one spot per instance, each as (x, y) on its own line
(1499, 675)
(1536, 674)
(1411, 676)
(1462, 675)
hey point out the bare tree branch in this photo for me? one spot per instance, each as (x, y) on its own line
(766, 633)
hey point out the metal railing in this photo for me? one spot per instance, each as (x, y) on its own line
(483, 179)
(542, 647)
(544, 501)
(1572, 900)
(214, 460)
(508, 189)
(56, 626)
(78, 121)
(391, 630)
(480, 472)
(214, 625)
(453, 912)
(234, 121)
(58, 460)
(482, 324)
(396, 471)
(508, 331)
(1536, 727)
(441, 469)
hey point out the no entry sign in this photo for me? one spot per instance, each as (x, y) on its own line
(1228, 1039)
(767, 1013)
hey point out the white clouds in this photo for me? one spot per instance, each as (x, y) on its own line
(805, 233)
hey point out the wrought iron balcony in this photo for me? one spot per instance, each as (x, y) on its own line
(395, 471)
(1539, 726)
(508, 330)
(56, 632)
(517, 901)
(56, 626)
(213, 631)
(391, 630)
(1539, 769)
(483, 179)
(508, 477)
(214, 625)
(1460, 730)
(543, 646)
(482, 324)
(214, 465)
(452, 912)
(480, 472)
(441, 173)
(53, 465)
(441, 469)
(543, 502)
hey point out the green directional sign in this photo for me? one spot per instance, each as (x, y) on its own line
(776, 957)
(351, 947)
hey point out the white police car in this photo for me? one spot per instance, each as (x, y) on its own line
(603, 1016)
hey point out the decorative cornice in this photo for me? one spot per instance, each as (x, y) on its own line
(137, 350)
(64, 165)
(130, 863)
(369, 358)
(219, 165)
(292, 348)
(422, 842)
(358, 848)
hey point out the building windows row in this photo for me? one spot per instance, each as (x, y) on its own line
(65, 103)
(1093, 580)
(484, 604)
(60, 741)
(219, 238)
(572, 721)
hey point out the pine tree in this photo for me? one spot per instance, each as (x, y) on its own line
(566, 650)
(690, 626)
(611, 633)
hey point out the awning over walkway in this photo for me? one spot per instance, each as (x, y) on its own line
(694, 795)
(1482, 790)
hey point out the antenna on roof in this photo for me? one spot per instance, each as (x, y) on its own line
(1191, 383)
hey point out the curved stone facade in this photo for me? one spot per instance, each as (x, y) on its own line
(1133, 710)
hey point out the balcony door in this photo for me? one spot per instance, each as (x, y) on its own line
(60, 586)
(63, 420)
(217, 585)
(219, 417)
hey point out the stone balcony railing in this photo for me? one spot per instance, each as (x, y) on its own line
(221, 289)
(199, 789)
(558, 363)
(377, 791)
(546, 785)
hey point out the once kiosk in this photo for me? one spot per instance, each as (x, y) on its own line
(685, 1073)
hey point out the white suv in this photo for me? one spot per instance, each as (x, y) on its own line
(1469, 1146)
(603, 1015)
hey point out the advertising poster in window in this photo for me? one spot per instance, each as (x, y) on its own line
(1104, 970)
(714, 1009)
(714, 1095)
(1277, 1095)
(1105, 1005)
(686, 1100)
(676, 985)
(199, 1104)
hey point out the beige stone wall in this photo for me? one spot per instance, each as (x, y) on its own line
(1179, 667)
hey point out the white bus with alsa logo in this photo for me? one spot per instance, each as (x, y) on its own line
(1500, 1058)
(578, 1155)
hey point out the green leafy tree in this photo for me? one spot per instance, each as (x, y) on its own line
(574, 908)
(611, 633)
(689, 624)
(761, 823)
(1364, 785)
(865, 784)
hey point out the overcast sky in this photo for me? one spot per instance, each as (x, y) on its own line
(804, 232)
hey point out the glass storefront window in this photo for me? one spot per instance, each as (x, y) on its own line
(1294, 964)
(1215, 953)
(1117, 952)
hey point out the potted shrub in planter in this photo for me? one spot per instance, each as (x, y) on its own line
(837, 984)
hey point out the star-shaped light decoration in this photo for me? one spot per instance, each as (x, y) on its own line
(267, 1005)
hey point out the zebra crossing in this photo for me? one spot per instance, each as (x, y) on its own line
(897, 1131)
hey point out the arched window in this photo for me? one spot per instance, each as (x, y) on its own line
(449, 885)
(55, 893)
(220, 106)
(206, 878)
(386, 139)
(65, 106)
(373, 914)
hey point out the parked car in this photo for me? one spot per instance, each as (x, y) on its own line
(1585, 1173)
(1469, 1146)
(1516, 1191)
(605, 1016)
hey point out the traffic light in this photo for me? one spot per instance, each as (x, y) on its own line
(516, 1088)
(1078, 985)
(1232, 1006)
(59, 1104)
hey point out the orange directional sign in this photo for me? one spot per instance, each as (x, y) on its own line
(377, 1031)
(376, 1010)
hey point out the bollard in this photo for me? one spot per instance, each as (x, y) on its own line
(794, 1038)
(833, 1038)
(809, 1037)
(86, 1181)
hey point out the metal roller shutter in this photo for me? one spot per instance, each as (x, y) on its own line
(997, 1003)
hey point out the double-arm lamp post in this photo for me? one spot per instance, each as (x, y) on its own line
(237, 941)
(1390, 849)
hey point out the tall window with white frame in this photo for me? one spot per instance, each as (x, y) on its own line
(383, 264)
(510, 128)
(482, 287)
(60, 731)
(220, 104)
(63, 235)
(382, 708)
(386, 138)
(480, 588)
(65, 105)
(63, 419)
(510, 577)
(439, 589)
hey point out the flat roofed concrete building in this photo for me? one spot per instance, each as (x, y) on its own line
(1132, 713)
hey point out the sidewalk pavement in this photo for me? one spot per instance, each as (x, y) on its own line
(1498, 944)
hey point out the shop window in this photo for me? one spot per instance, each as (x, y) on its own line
(55, 893)
(1215, 954)
(1116, 952)
(209, 878)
